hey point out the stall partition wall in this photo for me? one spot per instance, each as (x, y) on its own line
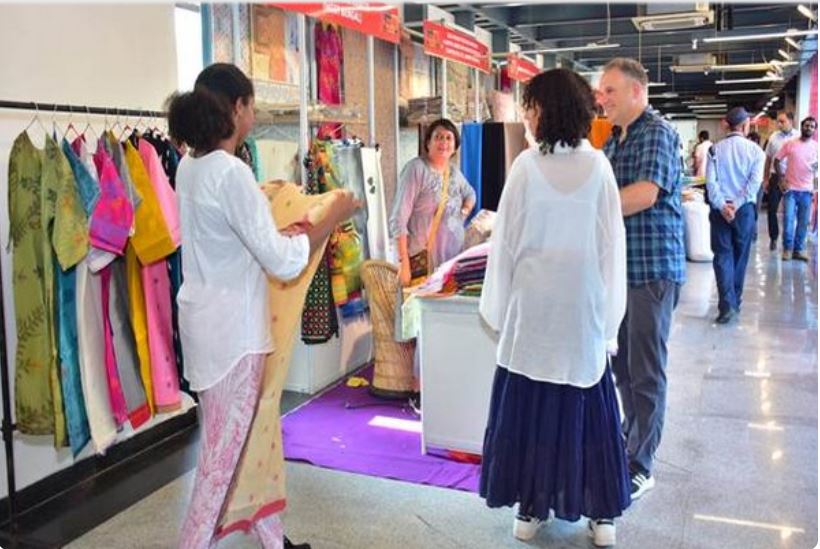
(72, 54)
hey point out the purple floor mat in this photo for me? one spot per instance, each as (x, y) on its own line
(347, 429)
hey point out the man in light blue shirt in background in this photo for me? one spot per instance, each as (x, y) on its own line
(734, 173)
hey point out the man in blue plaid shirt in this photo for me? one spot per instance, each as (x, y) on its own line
(644, 152)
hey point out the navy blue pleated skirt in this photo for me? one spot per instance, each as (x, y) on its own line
(559, 447)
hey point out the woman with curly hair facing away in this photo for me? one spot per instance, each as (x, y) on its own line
(555, 290)
(229, 244)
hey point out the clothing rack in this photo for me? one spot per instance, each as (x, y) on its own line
(7, 428)
(48, 108)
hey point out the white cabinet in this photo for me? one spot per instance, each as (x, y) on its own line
(457, 364)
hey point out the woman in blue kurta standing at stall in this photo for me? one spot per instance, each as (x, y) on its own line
(555, 290)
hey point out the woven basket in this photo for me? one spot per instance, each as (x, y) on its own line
(393, 371)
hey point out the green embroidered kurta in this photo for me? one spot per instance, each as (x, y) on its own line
(40, 183)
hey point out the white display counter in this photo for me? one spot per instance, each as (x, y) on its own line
(457, 363)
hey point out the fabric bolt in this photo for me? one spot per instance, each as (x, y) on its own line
(91, 345)
(227, 410)
(115, 393)
(734, 171)
(801, 163)
(139, 322)
(329, 62)
(556, 274)
(378, 235)
(731, 244)
(259, 484)
(152, 239)
(493, 165)
(230, 245)
(515, 142)
(655, 247)
(640, 368)
(796, 204)
(114, 214)
(70, 378)
(471, 156)
(86, 182)
(162, 189)
(34, 176)
(156, 287)
(125, 346)
(417, 199)
(554, 447)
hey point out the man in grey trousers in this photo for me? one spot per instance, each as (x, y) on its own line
(643, 150)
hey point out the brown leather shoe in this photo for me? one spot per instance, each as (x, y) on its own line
(787, 255)
(802, 256)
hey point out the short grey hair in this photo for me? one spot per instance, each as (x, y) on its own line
(631, 68)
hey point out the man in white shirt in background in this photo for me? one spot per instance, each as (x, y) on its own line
(700, 154)
(786, 132)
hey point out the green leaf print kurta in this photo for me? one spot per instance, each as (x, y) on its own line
(38, 181)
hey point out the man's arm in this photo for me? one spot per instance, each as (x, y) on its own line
(638, 196)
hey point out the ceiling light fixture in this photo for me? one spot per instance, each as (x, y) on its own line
(664, 95)
(775, 98)
(744, 92)
(784, 54)
(591, 46)
(710, 116)
(656, 84)
(807, 12)
(793, 44)
(767, 78)
(708, 106)
(762, 36)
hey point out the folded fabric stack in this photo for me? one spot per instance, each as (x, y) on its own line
(469, 275)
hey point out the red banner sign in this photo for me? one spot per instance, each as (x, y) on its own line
(450, 44)
(521, 69)
(370, 18)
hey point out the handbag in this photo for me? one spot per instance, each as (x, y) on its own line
(421, 263)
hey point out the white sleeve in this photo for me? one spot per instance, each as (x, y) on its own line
(248, 214)
(495, 293)
(612, 253)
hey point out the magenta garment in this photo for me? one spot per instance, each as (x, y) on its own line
(227, 411)
(329, 62)
(156, 286)
(113, 214)
(115, 393)
(162, 187)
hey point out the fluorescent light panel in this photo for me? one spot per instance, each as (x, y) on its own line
(749, 80)
(784, 54)
(792, 43)
(574, 48)
(705, 105)
(807, 12)
(744, 92)
(762, 36)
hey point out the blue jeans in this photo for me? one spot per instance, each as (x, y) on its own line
(800, 201)
(731, 243)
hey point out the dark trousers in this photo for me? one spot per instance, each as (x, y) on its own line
(640, 368)
(775, 195)
(731, 243)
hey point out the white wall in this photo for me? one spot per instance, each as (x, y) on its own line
(97, 55)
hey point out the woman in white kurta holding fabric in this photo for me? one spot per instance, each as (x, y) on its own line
(555, 290)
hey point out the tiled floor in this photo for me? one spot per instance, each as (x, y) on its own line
(737, 467)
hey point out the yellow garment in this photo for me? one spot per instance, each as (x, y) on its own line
(152, 240)
(258, 487)
(136, 303)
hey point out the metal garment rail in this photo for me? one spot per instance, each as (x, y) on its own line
(48, 108)
(7, 428)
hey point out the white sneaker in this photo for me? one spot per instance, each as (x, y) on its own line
(525, 528)
(602, 532)
(639, 484)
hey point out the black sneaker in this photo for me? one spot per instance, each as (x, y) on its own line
(772, 245)
(639, 484)
(290, 545)
(726, 316)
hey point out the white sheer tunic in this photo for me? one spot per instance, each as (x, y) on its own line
(229, 243)
(555, 286)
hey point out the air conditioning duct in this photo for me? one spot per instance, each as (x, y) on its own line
(668, 17)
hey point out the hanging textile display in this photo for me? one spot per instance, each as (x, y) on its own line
(471, 155)
(510, 139)
(329, 70)
(278, 160)
(258, 487)
(378, 239)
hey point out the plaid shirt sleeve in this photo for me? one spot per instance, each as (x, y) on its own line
(659, 162)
